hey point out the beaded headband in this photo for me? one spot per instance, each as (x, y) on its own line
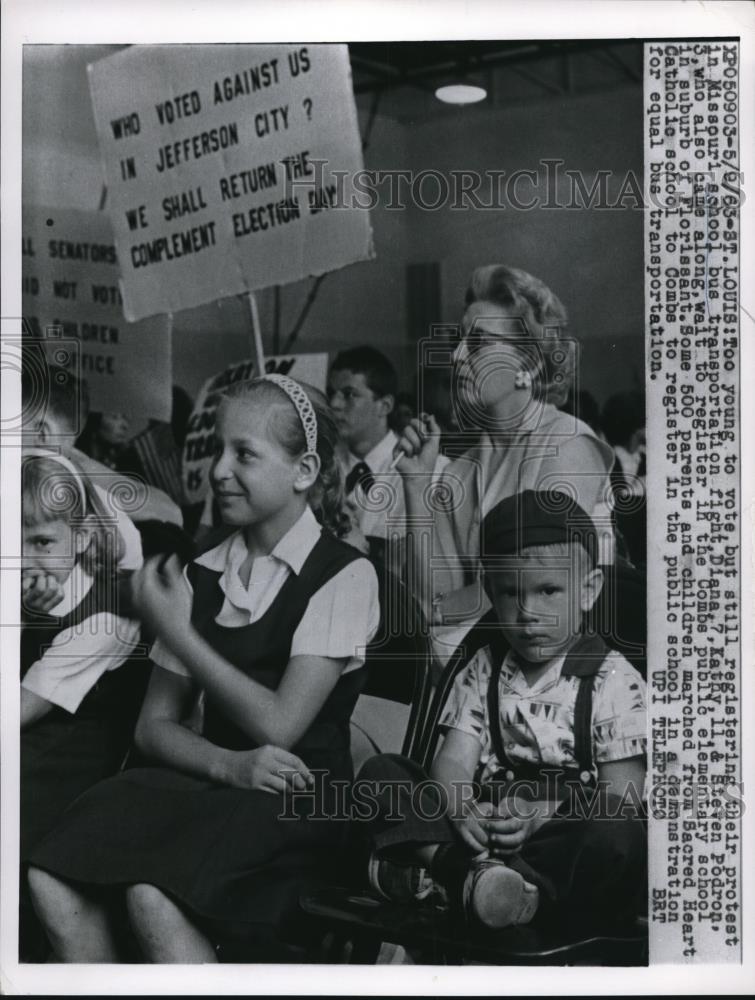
(67, 465)
(303, 405)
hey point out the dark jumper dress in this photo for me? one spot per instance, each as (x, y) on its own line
(218, 850)
(64, 753)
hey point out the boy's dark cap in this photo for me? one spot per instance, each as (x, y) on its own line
(536, 517)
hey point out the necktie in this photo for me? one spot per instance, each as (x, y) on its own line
(360, 475)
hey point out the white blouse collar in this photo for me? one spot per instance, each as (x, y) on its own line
(293, 549)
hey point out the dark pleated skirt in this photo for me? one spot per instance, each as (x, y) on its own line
(62, 755)
(218, 851)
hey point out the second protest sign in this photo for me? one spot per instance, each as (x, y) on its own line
(199, 446)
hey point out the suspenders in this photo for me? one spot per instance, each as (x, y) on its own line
(583, 724)
(583, 661)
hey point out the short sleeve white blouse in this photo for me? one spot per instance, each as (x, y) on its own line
(340, 619)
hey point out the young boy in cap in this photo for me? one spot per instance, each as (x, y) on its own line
(535, 807)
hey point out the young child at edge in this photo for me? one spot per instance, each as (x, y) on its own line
(542, 769)
(271, 629)
(81, 687)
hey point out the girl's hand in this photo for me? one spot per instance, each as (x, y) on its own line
(40, 591)
(267, 769)
(419, 444)
(162, 599)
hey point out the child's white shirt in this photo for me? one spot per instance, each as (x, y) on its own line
(340, 619)
(78, 657)
(537, 721)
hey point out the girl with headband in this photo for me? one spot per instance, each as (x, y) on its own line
(270, 625)
(80, 689)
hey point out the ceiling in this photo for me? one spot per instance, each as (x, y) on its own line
(402, 76)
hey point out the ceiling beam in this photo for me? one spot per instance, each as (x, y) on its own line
(531, 77)
(524, 54)
(383, 71)
(618, 61)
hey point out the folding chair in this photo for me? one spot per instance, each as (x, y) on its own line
(435, 935)
(620, 613)
(398, 663)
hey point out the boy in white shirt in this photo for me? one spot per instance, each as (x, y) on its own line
(362, 392)
(535, 807)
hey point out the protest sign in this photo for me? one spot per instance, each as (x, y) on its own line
(70, 286)
(200, 437)
(229, 168)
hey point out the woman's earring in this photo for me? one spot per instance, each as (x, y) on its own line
(523, 379)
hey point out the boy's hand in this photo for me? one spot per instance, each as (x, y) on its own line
(507, 831)
(40, 592)
(472, 829)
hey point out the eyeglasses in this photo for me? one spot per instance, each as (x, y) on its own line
(512, 330)
(476, 340)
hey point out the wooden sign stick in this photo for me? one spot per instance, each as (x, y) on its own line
(259, 353)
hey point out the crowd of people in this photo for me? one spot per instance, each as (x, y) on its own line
(179, 679)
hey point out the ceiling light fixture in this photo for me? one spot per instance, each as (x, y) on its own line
(461, 93)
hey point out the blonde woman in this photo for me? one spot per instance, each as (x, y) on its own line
(513, 367)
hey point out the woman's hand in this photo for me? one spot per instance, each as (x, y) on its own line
(267, 769)
(40, 591)
(419, 444)
(162, 599)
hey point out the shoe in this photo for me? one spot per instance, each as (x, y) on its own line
(400, 883)
(496, 896)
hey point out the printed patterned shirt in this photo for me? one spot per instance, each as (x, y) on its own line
(537, 722)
